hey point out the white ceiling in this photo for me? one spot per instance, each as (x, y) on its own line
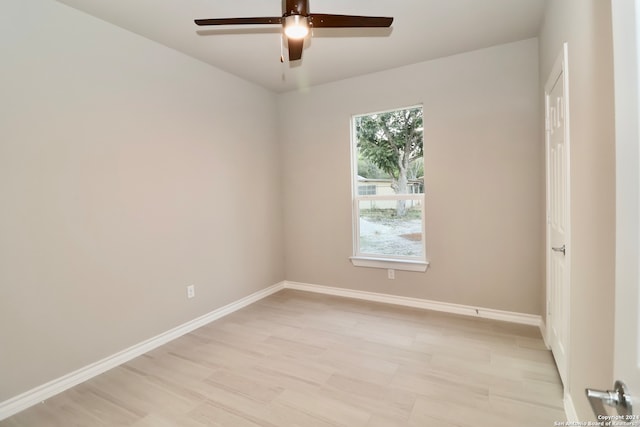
(422, 30)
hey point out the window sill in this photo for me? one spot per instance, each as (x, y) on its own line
(389, 263)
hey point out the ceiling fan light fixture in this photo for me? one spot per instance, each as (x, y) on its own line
(296, 27)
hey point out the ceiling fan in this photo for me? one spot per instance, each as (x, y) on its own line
(296, 21)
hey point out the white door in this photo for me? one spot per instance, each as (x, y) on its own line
(558, 271)
(626, 18)
(626, 47)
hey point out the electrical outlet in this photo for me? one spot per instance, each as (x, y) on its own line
(191, 291)
(391, 274)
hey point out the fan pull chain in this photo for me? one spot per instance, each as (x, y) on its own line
(281, 49)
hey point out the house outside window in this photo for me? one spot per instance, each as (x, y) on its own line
(388, 189)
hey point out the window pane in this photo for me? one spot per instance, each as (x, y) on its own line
(383, 232)
(389, 147)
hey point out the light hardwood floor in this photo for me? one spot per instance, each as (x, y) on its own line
(308, 360)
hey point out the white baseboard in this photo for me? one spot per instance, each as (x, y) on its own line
(569, 409)
(487, 313)
(50, 389)
(543, 331)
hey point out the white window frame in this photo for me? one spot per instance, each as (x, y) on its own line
(393, 262)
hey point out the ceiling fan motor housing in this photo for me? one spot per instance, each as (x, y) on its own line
(296, 7)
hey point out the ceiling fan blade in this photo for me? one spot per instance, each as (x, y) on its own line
(295, 49)
(320, 20)
(240, 21)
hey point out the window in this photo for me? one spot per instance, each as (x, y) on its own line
(388, 190)
(366, 190)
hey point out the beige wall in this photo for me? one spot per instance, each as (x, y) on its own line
(586, 26)
(125, 170)
(484, 175)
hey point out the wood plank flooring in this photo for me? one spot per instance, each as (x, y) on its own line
(300, 359)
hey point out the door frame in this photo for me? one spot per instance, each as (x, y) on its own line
(560, 67)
